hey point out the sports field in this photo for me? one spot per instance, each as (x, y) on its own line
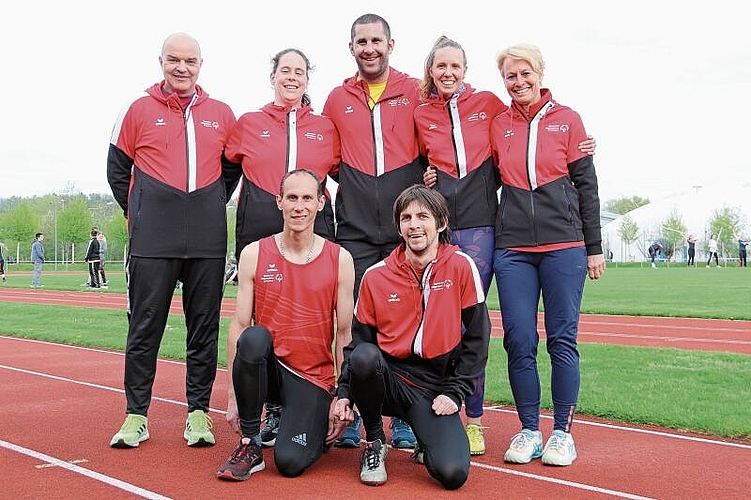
(690, 377)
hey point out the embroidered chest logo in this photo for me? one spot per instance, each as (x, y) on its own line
(265, 134)
(160, 122)
(508, 133)
(481, 115)
(557, 127)
(348, 110)
(402, 101)
(393, 297)
(313, 136)
(272, 275)
(210, 124)
(442, 285)
(432, 126)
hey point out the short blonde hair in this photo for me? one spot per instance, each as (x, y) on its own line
(525, 52)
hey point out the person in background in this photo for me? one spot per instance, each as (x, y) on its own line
(713, 252)
(282, 136)
(93, 259)
(373, 112)
(166, 163)
(419, 367)
(547, 240)
(294, 292)
(2, 262)
(742, 254)
(654, 252)
(230, 275)
(453, 124)
(37, 260)
(691, 240)
(102, 258)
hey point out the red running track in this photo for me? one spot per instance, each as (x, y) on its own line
(61, 404)
(682, 333)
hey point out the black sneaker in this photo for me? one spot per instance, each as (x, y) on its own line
(271, 424)
(245, 460)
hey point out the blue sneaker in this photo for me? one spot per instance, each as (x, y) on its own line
(401, 434)
(351, 437)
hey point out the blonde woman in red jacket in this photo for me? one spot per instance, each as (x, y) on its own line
(547, 240)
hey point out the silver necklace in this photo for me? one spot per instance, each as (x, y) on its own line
(310, 250)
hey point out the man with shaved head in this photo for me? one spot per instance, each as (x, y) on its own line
(167, 170)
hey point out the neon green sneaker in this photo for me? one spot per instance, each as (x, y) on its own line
(476, 439)
(134, 431)
(198, 429)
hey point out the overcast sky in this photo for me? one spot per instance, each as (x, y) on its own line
(664, 89)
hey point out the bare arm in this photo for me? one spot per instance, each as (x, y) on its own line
(240, 321)
(344, 305)
(340, 413)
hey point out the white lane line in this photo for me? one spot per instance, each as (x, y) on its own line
(93, 349)
(711, 328)
(581, 486)
(96, 386)
(222, 412)
(130, 488)
(485, 466)
(635, 429)
(664, 338)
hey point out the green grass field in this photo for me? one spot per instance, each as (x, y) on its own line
(705, 392)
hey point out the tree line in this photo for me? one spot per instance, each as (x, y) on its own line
(66, 221)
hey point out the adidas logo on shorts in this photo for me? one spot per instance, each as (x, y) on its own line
(301, 439)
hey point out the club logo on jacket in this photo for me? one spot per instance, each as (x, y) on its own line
(313, 136)
(160, 122)
(265, 134)
(477, 116)
(555, 127)
(432, 126)
(442, 285)
(210, 124)
(402, 101)
(348, 110)
(394, 297)
(509, 133)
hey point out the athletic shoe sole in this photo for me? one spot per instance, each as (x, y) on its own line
(515, 458)
(228, 476)
(122, 444)
(269, 443)
(200, 442)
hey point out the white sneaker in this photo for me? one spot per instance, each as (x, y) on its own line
(559, 450)
(373, 463)
(524, 447)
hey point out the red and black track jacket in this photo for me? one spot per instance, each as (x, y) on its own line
(269, 143)
(550, 197)
(380, 157)
(417, 323)
(166, 170)
(454, 134)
